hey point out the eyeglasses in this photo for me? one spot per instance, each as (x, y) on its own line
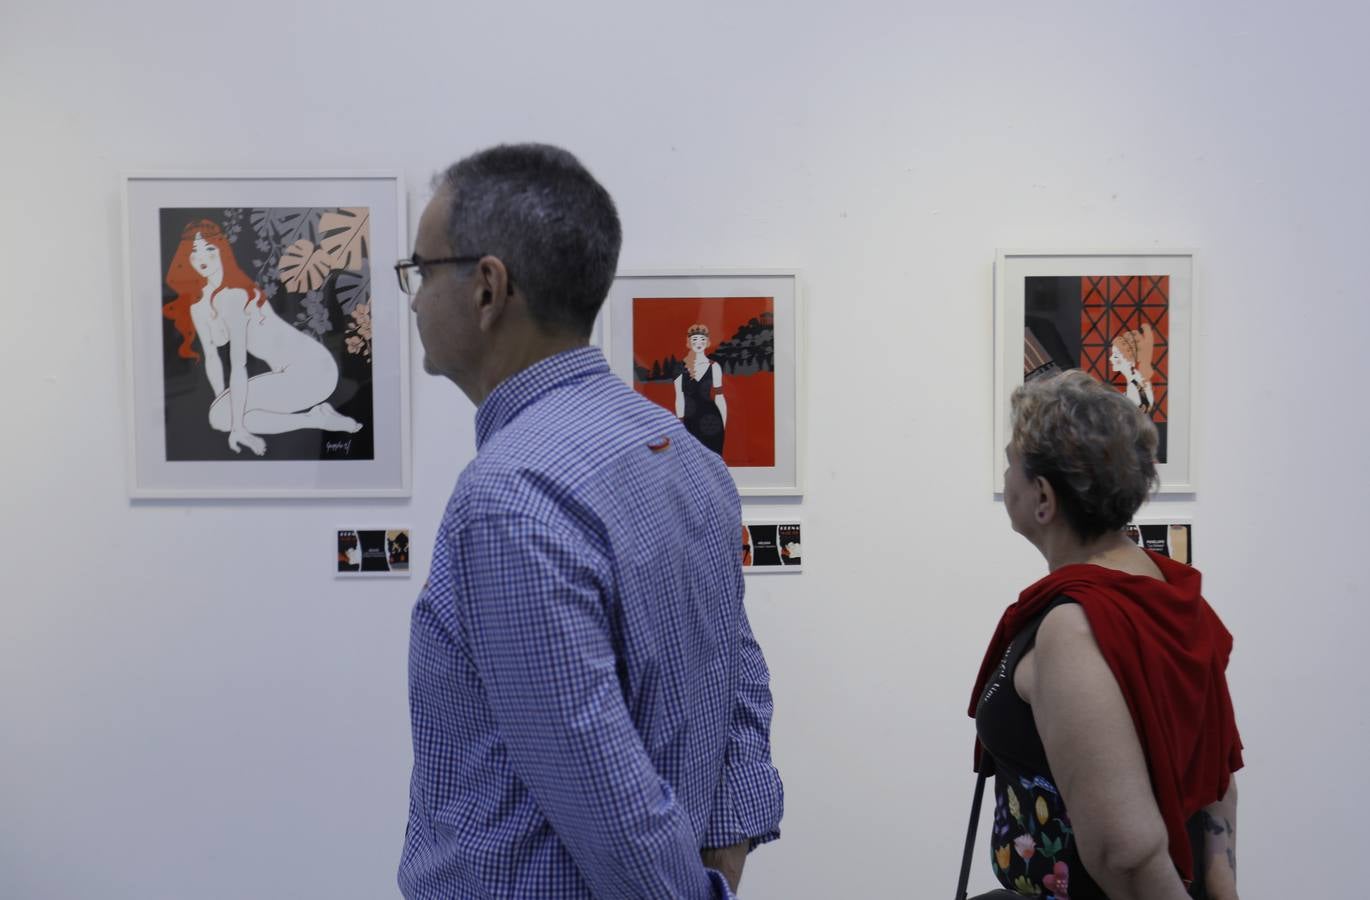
(410, 271)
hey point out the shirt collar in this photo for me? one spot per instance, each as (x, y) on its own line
(516, 392)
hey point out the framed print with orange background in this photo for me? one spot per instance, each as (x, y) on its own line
(1126, 318)
(720, 350)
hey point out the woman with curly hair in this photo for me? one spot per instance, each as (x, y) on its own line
(1102, 705)
(218, 304)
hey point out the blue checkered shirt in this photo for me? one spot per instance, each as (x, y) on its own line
(589, 705)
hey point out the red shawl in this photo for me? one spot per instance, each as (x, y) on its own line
(1169, 651)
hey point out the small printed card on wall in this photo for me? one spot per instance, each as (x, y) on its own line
(772, 547)
(372, 552)
(1170, 539)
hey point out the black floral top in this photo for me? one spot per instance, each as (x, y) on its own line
(1032, 844)
(1032, 841)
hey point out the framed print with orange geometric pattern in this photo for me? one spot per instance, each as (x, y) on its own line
(1126, 318)
(720, 350)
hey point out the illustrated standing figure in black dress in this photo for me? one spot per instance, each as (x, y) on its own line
(699, 401)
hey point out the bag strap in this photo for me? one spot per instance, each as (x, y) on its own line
(970, 831)
(985, 759)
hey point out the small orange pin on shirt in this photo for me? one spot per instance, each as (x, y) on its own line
(659, 445)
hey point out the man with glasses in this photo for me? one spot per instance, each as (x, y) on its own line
(590, 711)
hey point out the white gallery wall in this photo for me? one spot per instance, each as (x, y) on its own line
(190, 706)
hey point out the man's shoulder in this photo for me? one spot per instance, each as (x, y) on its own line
(493, 484)
(596, 401)
(558, 451)
(579, 424)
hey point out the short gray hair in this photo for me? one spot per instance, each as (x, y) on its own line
(1093, 445)
(545, 216)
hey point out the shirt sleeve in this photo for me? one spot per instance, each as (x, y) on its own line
(751, 798)
(535, 621)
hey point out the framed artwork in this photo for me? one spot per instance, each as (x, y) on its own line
(721, 350)
(267, 340)
(1126, 318)
(772, 546)
(372, 552)
(1170, 538)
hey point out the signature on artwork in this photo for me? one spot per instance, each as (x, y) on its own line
(343, 447)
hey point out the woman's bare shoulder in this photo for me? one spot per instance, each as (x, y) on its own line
(1065, 627)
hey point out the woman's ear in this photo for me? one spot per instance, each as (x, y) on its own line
(1045, 510)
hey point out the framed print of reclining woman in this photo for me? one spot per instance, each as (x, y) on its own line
(263, 361)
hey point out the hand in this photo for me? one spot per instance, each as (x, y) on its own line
(246, 439)
(728, 860)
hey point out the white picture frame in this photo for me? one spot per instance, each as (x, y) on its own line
(759, 360)
(318, 250)
(1155, 311)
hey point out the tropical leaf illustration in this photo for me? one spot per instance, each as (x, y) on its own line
(359, 331)
(305, 227)
(314, 318)
(303, 267)
(261, 223)
(233, 223)
(344, 236)
(284, 224)
(351, 288)
(263, 269)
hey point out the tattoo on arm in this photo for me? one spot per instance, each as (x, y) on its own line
(1220, 828)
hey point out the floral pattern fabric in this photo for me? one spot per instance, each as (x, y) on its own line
(1033, 843)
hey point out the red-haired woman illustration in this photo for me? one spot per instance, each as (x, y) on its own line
(699, 401)
(1131, 357)
(220, 305)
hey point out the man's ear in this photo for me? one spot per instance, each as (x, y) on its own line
(491, 291)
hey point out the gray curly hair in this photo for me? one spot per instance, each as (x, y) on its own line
(1095, 448)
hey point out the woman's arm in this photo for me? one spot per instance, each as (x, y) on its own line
(232, 301)
(1092, 747)
(1220, 845)
(679, 398)
(719, 400)
(214, 367)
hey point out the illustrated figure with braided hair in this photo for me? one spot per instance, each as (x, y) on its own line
(1131, 357)
(220, 305)
(699, 401)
